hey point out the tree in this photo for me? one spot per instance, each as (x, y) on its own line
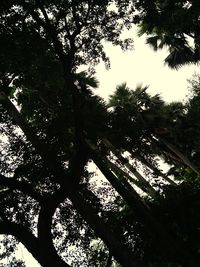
(61, 36)
(148, 124)
(161, 119)
(48, 200)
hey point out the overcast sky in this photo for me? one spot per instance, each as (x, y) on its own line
(140, 66)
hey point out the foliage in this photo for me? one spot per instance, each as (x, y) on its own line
(50, 199)
(174, 24)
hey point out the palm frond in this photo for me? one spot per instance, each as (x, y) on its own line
(153, 42)
(179, 57)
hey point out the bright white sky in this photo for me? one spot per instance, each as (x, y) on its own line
(140, 66)
(146, 67)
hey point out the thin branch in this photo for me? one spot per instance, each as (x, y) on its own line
(67, 28)
(76, 18)
(50, 31)
(42, 148)
(88, 12)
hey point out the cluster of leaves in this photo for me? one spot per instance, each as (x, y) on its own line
(158, 20)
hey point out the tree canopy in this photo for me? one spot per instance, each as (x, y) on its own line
(55, 130)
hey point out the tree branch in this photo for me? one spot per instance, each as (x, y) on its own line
(43, 150)
(26, 238)
(21, 186)
(40, 247)
(44, 227)
(50, 31)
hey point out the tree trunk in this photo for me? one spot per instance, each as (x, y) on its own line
(154, 169)
(151, 191)
(184, 159)
(124, 175)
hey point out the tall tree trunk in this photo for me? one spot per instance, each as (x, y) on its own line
(154, 169)
(124, 175)
(125, 162)
(183, 158)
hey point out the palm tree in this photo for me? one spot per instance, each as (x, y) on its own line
(175, 25)
(145, 125)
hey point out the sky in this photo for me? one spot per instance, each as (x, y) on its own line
(143, 66)
(140, 66)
